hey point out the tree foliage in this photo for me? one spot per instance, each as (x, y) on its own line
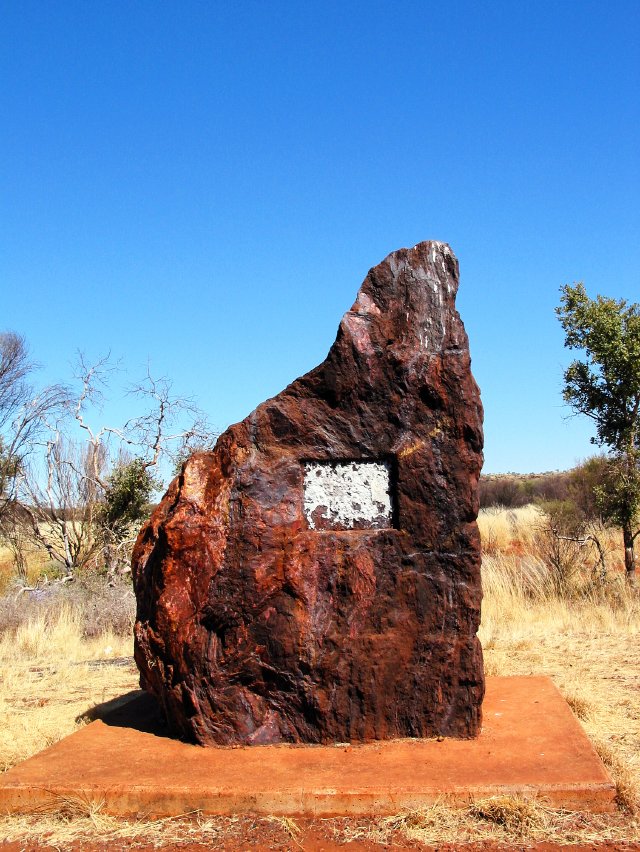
(605, 386)
(618, 492)
(127, 496)
(582, 485)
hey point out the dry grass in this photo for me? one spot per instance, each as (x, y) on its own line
(508, 530)
(76, 822)
(50, 675)
(37, 565)
(501, 820)
(586, 641)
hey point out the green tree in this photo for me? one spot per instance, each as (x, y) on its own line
(126, 501)
(605, 386)
(127, 496)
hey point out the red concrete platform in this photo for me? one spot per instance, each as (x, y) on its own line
(531, 744)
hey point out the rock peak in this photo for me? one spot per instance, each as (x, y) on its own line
(316, 577)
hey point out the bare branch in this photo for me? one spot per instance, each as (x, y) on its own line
(153, 431)
(25, 415)
(61, 495)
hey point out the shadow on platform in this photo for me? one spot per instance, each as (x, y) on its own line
(137, 710)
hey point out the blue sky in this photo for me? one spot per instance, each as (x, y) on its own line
(204, 185)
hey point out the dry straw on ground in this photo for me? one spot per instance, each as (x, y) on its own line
(505, 530)
(586, 640)
(51, 675)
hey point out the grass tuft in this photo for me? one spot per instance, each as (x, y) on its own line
(581, 706)
(626, 780)
(516, 816)
(48, 679)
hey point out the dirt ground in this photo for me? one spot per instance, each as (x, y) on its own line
(316, 838)
(283, 834)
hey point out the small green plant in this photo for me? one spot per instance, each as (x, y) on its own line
(127, 497)
(125, 503)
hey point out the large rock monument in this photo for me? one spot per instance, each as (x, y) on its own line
(316, 577)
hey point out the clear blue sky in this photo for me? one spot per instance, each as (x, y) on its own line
(204, 185)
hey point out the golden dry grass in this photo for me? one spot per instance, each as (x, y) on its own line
(508, 821)
(37, 564)
(77, 823)
(50, 675)
(505, 530)
(587, 642)
(7, 569)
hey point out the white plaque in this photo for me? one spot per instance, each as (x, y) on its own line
(347, 495)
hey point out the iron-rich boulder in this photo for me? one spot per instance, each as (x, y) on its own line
(316, 577)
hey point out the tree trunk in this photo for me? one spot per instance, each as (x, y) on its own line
(601, 563)
(629, 554)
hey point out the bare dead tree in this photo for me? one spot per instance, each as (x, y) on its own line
(593, 534)
(60, 500)
(25, 415)
(79, 511)
(168, 425)
(162, 430)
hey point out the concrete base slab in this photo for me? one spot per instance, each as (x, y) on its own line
(531, 745)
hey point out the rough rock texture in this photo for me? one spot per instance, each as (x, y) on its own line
(255, 627)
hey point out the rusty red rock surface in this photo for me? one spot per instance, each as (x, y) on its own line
(254, 627)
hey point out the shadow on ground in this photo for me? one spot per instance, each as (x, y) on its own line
(136, 709)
